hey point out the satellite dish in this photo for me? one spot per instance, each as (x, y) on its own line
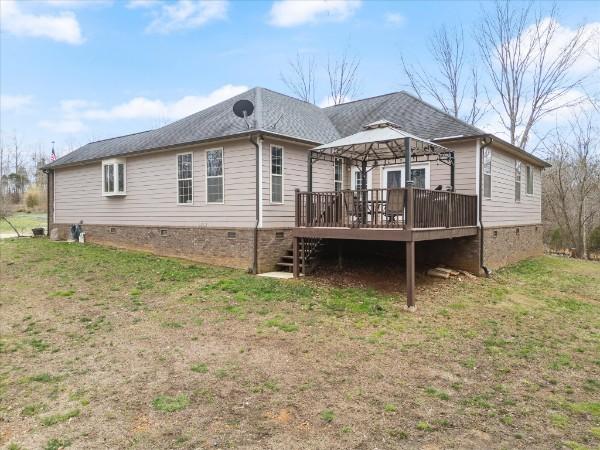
(243, 108)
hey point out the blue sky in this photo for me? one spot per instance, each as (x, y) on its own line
(75, 71)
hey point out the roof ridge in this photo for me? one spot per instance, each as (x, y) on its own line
(363, 99)
(439, 110)
(122, 136)
(290, 96)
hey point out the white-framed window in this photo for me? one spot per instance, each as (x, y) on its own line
(214, 176)
(529, 171)
(276, 174)
(185, 179)
(517, 181)
(114, 177)
(394, 176)
(356, 181)
(338, 174)
(487, 172)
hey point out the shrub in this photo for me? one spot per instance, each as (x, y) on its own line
(32, 197)
(594, 239)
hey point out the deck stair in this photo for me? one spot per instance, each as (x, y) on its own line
(309, 250)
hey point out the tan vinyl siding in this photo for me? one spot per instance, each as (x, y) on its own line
(501, 208)
(294, 176)
(152, 191)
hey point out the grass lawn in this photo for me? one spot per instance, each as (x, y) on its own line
(24, 222)
(114, 349)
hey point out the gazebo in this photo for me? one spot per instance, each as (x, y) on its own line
(396, 214)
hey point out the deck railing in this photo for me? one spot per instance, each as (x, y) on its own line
(385, 208)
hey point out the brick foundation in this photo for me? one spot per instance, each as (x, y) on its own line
(229, 247)
(510, 244)
(460, 253)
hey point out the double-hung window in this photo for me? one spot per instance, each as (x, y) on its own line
(276, 174)
(214, 176)
(113, 177)
(338, 174)
(185, 179)
(487, 172)
(529, 180)
(517, 181)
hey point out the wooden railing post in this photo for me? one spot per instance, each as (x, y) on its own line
(410, 207)
(449, 210)
(298, 206)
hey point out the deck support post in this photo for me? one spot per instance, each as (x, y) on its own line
(296, 266)
(409, 224)
(410, 275)
(340, 253)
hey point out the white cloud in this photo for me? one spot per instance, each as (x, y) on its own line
(562, 36)
(61, 27)
(14, 102)
(71, 4)
(184, 14)
(65, 126)
(290, 13)
(394, 18)
(145, 108)
(142, 3)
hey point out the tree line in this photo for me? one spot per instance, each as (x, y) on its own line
(520, 75)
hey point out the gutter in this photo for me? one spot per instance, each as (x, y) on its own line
(485, 142)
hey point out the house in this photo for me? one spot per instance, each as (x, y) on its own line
(240, 190)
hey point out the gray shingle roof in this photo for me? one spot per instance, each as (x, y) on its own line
(409, 113)
(283, 115)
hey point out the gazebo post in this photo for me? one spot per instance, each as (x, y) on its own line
(409, 223)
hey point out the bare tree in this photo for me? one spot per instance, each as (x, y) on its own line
(454, 84)
(343, 77)
(571, 193)
(301, 77)
(529, 71)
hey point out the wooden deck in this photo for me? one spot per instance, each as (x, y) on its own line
(400, 214)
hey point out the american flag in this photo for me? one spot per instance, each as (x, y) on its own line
(53, 154)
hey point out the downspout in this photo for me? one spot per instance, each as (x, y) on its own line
(486, 141)
(47, 172)
(258, 146)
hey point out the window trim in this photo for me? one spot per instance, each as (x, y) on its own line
(177, 178)
(277, 175)
(114, 162)
(528, 170)
(483, 174)
(519, 166)
(222, 176)
(341, 181)
(353, 178)
(401, 167)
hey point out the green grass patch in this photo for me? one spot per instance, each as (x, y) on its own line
(167, 403)
(57, 444)
(59, 418)
(24, 222)
(433, 392)
(278, 322)
(33, 409)
(424, 426)
(327, 415)
(67, 293)
(200, 368)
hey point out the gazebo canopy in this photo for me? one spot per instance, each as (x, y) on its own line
(379, 141)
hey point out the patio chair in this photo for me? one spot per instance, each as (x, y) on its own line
(353, 207)
(394, 206)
